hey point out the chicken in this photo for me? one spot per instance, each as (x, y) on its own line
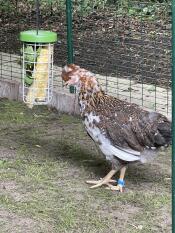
(124, 132)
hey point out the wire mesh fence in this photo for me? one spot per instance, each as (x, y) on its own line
(130, 48)
(127, 44)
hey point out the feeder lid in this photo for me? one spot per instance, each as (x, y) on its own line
(41, 37)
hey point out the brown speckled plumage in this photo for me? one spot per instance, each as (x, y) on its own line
(115, 124)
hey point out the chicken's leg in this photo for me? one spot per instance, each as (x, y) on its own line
(120, 185)
(106, 180)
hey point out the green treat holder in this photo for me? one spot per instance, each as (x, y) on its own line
(37, 60)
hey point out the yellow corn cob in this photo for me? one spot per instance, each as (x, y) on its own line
(38, 89)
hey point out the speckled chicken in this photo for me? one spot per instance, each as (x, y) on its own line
(124, 132)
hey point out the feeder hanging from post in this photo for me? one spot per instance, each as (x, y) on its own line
(37, 66)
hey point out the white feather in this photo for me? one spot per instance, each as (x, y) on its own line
(104, 143)
(67, 69)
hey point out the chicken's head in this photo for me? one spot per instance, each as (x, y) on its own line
(70, 74)
(79, 77)
(73, 74)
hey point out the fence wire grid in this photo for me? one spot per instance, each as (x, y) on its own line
(127, 44)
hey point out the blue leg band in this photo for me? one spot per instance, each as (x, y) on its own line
(121, 182)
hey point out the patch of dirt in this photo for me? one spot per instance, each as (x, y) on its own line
(164, 222)
(13, 190)
(17, 224)
(7, 153)
(122, 214)
(8, 186)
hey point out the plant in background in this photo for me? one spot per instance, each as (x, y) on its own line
(149, 10)
(146, 10)
(85, 7)
(6, 7)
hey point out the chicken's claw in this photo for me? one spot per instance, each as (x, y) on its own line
(98, 183)
(115, 188)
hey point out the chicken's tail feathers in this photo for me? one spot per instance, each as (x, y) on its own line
(164, 129)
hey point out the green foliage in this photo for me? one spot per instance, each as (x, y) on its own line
(6, 6)
(29, 54)
(141, 9)
(28, 80)
(148, 10)
(30, 57)
(87, 6)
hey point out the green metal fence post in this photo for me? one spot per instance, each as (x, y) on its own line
(69, 31)
(173, 116)
(70, 58)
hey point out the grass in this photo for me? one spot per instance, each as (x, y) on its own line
(45, 157)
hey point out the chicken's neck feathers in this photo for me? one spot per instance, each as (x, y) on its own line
(89, 98)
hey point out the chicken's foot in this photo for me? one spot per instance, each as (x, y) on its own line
(121, 182)
(105, 181)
